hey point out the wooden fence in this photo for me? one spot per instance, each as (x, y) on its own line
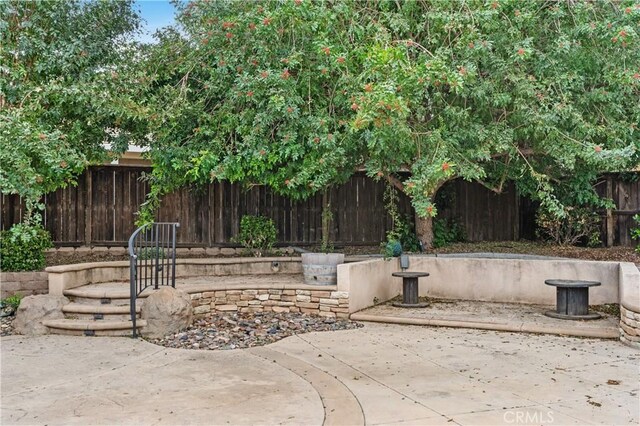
(101, 209)
(617, 223)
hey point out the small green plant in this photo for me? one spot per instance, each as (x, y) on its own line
(148, 253)
(257, 233)
(635, 232)
(405, 233)
(327, 218)
(22, 247)
(447, 231)
(11, 302)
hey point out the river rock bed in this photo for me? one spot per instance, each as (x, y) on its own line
(6, 326)
(245, 330)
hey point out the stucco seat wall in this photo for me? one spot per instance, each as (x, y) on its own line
(66, 277)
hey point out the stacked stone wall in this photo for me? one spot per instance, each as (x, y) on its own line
(630, 327)
(23, 283)
(327, 303)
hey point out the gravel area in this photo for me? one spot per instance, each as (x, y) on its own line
(244, 330)
(6, 327)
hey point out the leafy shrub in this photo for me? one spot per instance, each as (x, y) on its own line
(406, 235)
(257, 233)
(578, 225)
(447, 231)
(635, 232)
(22, 248)
(392, 248)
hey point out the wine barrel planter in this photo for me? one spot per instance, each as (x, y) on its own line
(321, 268)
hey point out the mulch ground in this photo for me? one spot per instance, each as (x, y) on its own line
(619, 254)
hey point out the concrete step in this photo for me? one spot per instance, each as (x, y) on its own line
(79, 327)
(107, 294)
(80, 308)
(98, 293)
(90, 311)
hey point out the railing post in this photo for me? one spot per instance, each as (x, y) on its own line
(154, 238)
(173, 255)
(144, 239)
(132, 288)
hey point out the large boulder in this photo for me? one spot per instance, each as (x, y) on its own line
(166, 311)
(33, 310)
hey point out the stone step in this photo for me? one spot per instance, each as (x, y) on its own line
(78, 327)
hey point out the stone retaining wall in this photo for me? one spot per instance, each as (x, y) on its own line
(23, 283)
(327, 303)
(180, 251)
(630, 327)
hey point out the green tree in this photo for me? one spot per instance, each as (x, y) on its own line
(65, 90)
(298, 95)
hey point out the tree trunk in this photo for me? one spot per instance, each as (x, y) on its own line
(326, 222)
(424, 225)
(424, 231)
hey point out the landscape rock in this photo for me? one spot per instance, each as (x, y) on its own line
(166, 311)
(233, 330)
(34, 310)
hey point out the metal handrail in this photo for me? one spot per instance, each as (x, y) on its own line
(147, 267)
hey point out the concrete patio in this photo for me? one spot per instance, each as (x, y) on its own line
(515, 317)
(379, 374)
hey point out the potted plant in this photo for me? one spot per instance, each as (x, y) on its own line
(322, 268)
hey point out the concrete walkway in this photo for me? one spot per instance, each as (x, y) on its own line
(379, 374)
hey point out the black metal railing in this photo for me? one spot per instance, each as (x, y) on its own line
(152, 257)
